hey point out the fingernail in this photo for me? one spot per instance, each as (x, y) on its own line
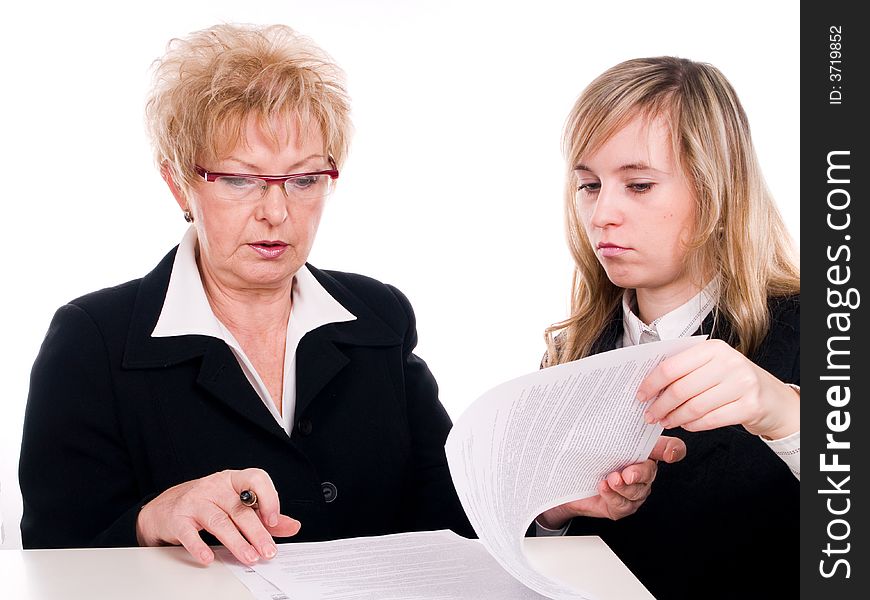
(251, 555)
(629, 479)
(648, 417)
(640, 396)
(269, 550)
(665, 423)
(205, 556)
(273, 520)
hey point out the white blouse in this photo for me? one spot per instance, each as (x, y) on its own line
(186, 311)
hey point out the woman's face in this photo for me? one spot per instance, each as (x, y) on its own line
(258, 243)
(638, 209)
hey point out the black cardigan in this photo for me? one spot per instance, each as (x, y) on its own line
(115, 417)
(723, 522)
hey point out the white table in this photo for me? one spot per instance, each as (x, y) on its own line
(168, 573)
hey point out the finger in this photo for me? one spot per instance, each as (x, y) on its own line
(268, 504)
(610, 495)
(634, 492)
(730, 414)
(248, 523)
(705, 402)
(670, 370)
(636, 480)
(286, 527)
(629, 491)
(218, 523)
(668, 449)
(640, 473)
(684, 389)
(614, 480)
(188, 535)
(617, 505)
(591, 506)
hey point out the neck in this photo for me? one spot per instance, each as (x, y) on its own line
(654, 303)
(248, 311)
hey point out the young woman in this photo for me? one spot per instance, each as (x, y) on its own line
(674, 233)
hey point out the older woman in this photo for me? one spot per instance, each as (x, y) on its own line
(673, 233)
(236, 389)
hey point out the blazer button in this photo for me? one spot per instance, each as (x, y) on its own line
(304, 426)
(329, 491)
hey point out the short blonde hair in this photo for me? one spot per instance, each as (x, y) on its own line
(209, 83)
(738, 232)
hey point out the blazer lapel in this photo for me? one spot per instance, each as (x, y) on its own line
(318, 361)
(610, 334)
(219, 374)
(222, 377)
(143, 351)
(319, 357)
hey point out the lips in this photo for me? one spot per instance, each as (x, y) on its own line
(268, 249)
(609, 250)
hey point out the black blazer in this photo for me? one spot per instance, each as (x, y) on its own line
(723, 522)
(115, 417)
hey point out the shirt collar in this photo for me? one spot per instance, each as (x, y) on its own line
(186, 310)
(680, 322)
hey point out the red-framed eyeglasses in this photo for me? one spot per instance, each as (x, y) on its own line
(309, 186)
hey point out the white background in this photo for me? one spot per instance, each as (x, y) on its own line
(453, 187)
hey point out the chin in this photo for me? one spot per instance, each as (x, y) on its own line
(623, 280)
(271, 276)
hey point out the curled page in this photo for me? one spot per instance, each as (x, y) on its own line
(547, 438)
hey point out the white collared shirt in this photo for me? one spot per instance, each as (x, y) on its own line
(186, 311)
(684, 321)
(680, 322)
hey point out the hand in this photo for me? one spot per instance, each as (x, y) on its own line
(212, 503)
(621, 493)
(712, 385)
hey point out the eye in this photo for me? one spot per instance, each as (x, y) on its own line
(589, 188)
(305, 182)
(640, 188)
(239, 183)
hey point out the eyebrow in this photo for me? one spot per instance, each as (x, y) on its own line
(638, 166)
(253, 168)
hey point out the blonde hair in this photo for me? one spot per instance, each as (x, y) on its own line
(738, 233)
(209, 83)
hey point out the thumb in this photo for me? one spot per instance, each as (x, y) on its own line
(669, 449)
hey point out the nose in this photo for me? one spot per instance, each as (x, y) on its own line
(273, 205)
(608, 208)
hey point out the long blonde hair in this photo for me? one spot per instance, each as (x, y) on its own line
(739, 234)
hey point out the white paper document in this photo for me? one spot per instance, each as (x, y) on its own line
(523, 447)
(547, 438)
(404, 566)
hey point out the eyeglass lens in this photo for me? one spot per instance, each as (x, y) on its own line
(304, 188)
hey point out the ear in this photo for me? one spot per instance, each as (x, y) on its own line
(180, 197)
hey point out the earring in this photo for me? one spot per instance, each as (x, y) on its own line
(188, 217)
